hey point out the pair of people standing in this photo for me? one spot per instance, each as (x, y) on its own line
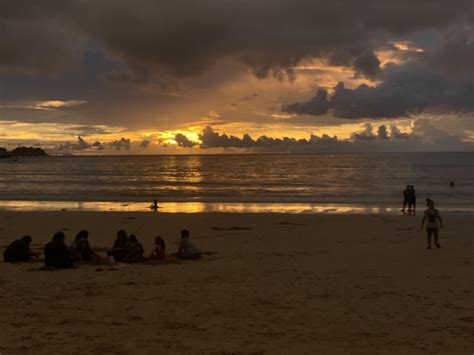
(409, 198)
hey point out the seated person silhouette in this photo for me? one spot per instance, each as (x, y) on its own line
(159, 252)
(119, 249)
(19, 251)
(81, 249)
(57, 254)
(187, 250)
(134, 251)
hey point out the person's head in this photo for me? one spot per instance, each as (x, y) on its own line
(133, 238)
(408, 187)
(184, 233)
(121, 235)
(27, 239)
(431, 204)
(160, 242)
(59, 237)
(83, 234)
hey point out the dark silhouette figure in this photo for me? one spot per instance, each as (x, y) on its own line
(57, 254)
(119, 249)
(433, 223)
(159, 252)
(154, 206)
(134, 250)
(187, 250)
(405, 197)
(81, 249)
(19, 251)
(451, 183)
(411, 199)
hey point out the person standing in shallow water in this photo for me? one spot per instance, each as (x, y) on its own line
(411, 199)
(405, 197)
(433, 223)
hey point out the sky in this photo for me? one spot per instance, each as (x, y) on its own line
(222, 76)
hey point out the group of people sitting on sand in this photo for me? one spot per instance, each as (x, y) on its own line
(126, 249)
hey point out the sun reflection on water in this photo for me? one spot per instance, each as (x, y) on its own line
(189, 207)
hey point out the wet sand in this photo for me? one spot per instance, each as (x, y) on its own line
(329, 284)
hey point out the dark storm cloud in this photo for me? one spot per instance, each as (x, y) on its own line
(122, 143)
(145, 143)
(440, 79)
(184, 37)
(37, 37)
(367, 65)
(183, 141)
(382, 132)
(366, 135)
(424, 137)
(406, 89)
(396, 134)
(81, 144)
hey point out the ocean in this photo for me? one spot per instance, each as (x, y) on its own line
(313, 182)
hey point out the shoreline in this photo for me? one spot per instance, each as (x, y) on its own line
(214, 207)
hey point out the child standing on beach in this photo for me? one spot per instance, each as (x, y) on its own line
(433, 223)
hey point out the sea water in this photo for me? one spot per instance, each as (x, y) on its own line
(238, 183)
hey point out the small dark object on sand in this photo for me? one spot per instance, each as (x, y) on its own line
(233, 228)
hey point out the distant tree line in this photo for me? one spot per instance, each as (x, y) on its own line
(22, 152)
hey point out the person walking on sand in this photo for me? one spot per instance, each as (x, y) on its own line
(433, 223)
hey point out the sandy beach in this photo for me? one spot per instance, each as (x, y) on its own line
(279, 283)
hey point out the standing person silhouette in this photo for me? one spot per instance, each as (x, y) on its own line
(411, 199)
(405, 197)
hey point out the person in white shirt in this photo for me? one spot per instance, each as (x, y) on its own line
(433, 223)
(187, 250)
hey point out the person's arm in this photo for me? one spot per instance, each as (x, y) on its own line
(423, 222)
(440, 222)
(33, 254)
